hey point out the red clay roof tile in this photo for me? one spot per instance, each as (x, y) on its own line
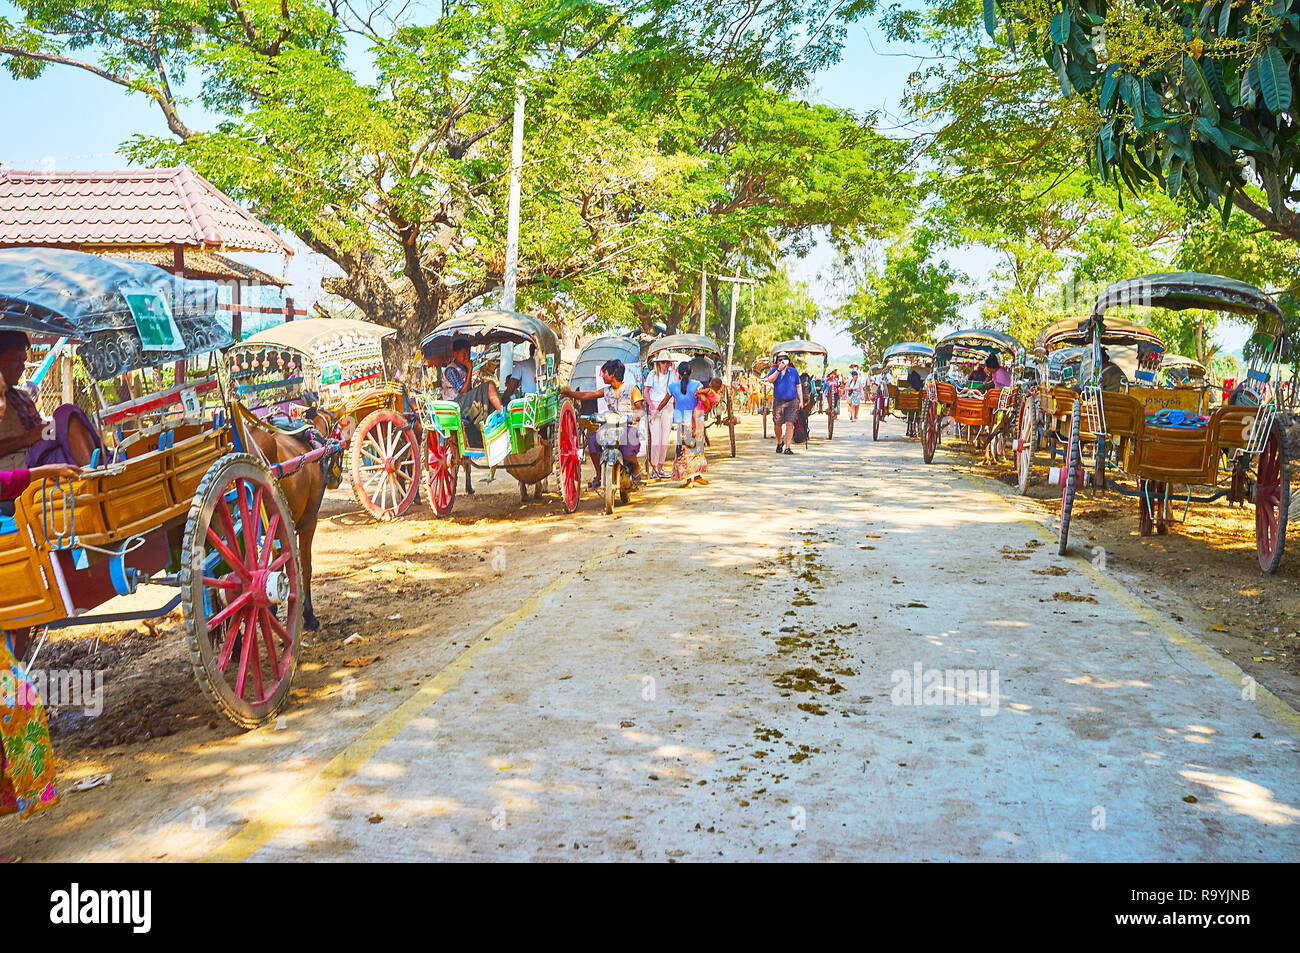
(138, 207)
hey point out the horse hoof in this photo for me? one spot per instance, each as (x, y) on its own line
(310, 623)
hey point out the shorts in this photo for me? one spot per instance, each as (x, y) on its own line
(785, 411)
(474, 404)
(855, 398)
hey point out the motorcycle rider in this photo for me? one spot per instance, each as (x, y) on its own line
(624, 398)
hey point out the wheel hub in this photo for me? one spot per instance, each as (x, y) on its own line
(270, 587)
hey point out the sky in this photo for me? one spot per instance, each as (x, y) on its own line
(70, 120)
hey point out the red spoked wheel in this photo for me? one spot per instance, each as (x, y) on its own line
(1272, 500)
(1070, 477)
(1025, 441)
(930, 436)
(385, 464)
(440, 472)
(570, 456)
(241, 589)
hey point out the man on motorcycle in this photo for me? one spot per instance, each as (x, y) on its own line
(619, 397)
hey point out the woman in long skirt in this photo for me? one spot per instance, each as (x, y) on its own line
(690, 464)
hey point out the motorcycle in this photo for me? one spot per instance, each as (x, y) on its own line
(615, 472)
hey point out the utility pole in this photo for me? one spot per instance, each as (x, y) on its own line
(511, 277)
(736, 281)
(704, 291)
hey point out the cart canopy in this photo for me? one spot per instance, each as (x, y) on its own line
(799, 346)
(1075, 332)
(585, 375)
(1179, 290)
(907, 354)
(127, 315)
(685, 345)
(320, 339)
(975, 344)
(484, 328)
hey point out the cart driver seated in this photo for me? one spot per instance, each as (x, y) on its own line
(623, 397)
(25, 438)
(1112, 376)
(522, 380)
(477, 402)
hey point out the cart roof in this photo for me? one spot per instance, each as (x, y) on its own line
(687, 344)
(1179, 290)
(761, 364)
(1072, 332)
(1177, 360)
(985, 339)
(799, 346)
(83, 296)
(907, 349)
(496, 327)
(595, 353)
(316, 337)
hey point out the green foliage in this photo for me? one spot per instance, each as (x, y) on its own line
(1195, 98)
(905, 299)
(781, 311)
(661, 134)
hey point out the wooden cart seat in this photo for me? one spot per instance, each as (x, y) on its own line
(945, 392)
(1123, 414)
(976, 411)
(893, 391)
(30, 592)
(908, 402)
(150, 488)
(1231, 423)
(1168, 398)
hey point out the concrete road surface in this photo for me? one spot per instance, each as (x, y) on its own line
(840, 655)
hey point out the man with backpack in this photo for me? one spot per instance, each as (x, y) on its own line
(787, 398)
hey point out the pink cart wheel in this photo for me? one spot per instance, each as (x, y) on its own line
(241, 590)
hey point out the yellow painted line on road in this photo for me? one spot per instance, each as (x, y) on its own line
(1206, 654)
(296, 803)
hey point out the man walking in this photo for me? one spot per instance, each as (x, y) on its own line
(787, 398)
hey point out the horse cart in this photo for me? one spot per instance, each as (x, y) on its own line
(533, 436)
(1060, 363)
(897, 363)
(341, 362)
(1238, 451)
(976, 411)
(705, 358)
(172, 495)
(816, 400)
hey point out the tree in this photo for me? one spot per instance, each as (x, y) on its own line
(656, 132)
(1196, 97)
(782, 310)
(905, 299)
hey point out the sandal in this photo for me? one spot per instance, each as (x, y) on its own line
(594, 484)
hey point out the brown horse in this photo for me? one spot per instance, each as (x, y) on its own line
(304, 488)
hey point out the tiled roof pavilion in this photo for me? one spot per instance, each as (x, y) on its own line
(138, 210)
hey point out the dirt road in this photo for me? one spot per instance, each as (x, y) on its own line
(843, 654)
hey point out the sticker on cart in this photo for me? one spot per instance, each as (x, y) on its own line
(331, 374)
(153, 320)
(190, 401)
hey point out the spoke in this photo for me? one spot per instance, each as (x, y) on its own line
(279, 628)
(246, 521)
(280, 560)
(241, 676)
(232, 634)
(236, 562)
(271, 529)
(268, 639)
(221, 583)
(235, 606)
(400, 451)
(227, 520)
